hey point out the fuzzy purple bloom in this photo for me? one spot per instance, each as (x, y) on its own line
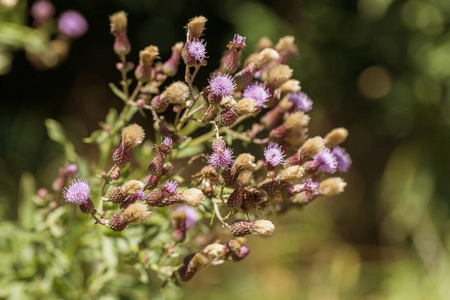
(311, 189)
(222, 84)
(167, 141)
(274, 155)
(300, 101)
(191, 215)
(258, 92)
(238, 39)
(197, 49)
(78, 192)
(139, 195)
(343, 159)
(42, 11)
(221, 159)
(72, 24)
(171, 187)
(325, 161)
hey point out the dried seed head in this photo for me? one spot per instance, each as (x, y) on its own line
(263, 228)
(132, 187)
(227, 102)
(336, 137)
(191, 197)
(246, 106)
(195, 27)
(237, 243)
(136, 213)
(332, 186)
(296, 121)
(296, 138)
(291, 174)
(116, 195)
(132, 136)
(266, 57)
(119, 22)
(312, 146)
(176, 93)
(289, 86)
(245, 161)
(149, 54)
(264, 43)
(286, 47)
(214, 250)
(199, 261)
(279, 75)
(245, 177)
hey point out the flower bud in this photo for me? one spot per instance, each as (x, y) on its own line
(143, 71)
(87, 207)
(263, 228)
(116, 195)
(159, 104)
(117, 222)
(179, 222)
(228, 117)
(119, 23)
(170, 67)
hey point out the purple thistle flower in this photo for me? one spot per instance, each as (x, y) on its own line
(191, 215)
(78, 192)
(72, 24)
(300, 101)
(343, 159)
(325, 161)
(258, 92)
(171, 187)
(237, 39)
(221, 159)
(197, 49)
(167, 141)
(311, 189)
(42, 11)
(139, 195)
(222, 84)
(274, 155)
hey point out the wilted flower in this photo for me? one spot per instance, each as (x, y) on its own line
(72, 24)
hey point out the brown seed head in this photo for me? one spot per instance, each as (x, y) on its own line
(136, 213)
(245, 106)
(132, 187)
(132, 136)
(289, 86)
(191, 197)
(262, 227)
(245, 177)
(176, 93)
(312, 146)
(296, 121)
(332, 186)
(279, 75)
(336, 137)
(119, 22)
(291, 174)
(195, 27)
(266, 57)
(286, 47)
(245, 161)
(149, 54)
(227, 102)
(264, 43)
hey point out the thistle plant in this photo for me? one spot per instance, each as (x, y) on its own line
(198, 178)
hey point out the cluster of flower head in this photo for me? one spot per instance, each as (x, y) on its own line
(290, 170)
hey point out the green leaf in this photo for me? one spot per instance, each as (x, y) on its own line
(190, 151)
(111, 117)
(56, 133)
(94, 135)
(117, 92)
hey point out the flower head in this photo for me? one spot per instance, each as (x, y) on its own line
(325, 161)
(343, 159)
(78, 192)
(222, 84)
(258, 92)
(167, 141)
(237, 44)
(300, 101)
(171, 187)
(221, 159)
(191, 215)
(72, 24)
(197, 49)
(42, 10)
(274, 155)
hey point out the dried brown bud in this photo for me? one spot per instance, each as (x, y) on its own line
(136, 213)
(227, 102)
(266, 57)
(119, 22)
(245, 161)
(261, 227)
(286, 47)
(279, 75)
(336, 137)
(149, 54)
(296, 121)
(289, 86)
(332, 186)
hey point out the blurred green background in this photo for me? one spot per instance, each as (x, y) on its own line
(380, 68)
